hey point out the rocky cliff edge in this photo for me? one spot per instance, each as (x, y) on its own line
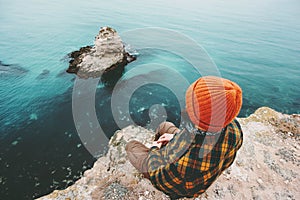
(266, 167)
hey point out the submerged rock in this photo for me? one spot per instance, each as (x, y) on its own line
(45, 73)
(107, 54)
(33, 116)
(266, 166)
(7, 70)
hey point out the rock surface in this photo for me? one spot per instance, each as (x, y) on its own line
(108, 53)
(267, 165)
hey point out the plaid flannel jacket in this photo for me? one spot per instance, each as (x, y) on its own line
(191, 162)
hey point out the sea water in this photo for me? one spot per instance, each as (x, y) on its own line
(256, 44)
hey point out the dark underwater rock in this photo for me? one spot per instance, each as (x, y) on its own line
(44, 74)
(7, 70)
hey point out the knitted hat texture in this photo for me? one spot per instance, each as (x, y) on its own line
(213, 102)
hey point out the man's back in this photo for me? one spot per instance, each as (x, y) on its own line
(191, 162)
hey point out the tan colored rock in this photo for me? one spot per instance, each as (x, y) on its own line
(257, 173)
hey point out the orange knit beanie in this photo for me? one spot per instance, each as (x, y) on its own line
(213, 102)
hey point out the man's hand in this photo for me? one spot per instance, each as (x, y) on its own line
(165, 138)
(156, 144)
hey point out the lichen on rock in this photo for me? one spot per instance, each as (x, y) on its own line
(107, 54)
(266, 166)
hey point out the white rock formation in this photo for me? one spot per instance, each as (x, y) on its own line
(266, 167)
(107, 53)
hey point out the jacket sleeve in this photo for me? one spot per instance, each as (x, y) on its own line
(170, 153)
(163, 175)
(155, 160)
(239, 141)
(229, 160)
(162, 170)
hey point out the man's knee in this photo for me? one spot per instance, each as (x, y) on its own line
(136, 147)
(131, 144)
(137, 154)
(167, 127)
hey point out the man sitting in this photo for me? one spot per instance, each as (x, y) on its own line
(184, 163)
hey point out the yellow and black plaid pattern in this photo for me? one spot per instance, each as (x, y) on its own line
(190, 163)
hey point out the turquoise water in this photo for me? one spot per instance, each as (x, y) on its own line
(255, 44)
